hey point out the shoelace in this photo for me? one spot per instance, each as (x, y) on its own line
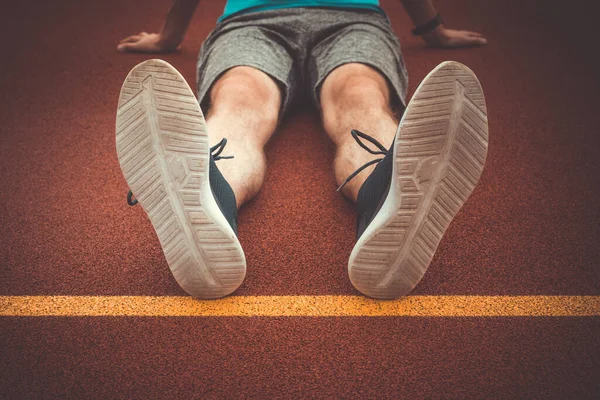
(357, 135)
(215, 151)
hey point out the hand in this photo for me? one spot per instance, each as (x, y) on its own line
(147, 43)
(450, 38)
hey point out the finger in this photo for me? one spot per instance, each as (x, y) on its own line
(466, 41)
(132, 38)
(481, 41)
(127, 48)
(475, 34)
(474, 41)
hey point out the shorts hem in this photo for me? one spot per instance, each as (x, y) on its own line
(398, 90)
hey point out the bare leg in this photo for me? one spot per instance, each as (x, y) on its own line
(356, 96)
(244, 109)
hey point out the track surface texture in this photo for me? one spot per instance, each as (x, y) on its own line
(530, 226)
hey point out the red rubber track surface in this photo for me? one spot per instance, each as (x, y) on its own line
(301, 357)
(530, 228)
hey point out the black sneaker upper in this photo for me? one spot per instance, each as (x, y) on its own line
(373, 192)
(221, 190)
(223, 194)
(375, 188)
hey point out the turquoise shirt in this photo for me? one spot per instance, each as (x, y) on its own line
(240, 6)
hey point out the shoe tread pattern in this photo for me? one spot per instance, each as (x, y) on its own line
(439, 154)
(163, 150)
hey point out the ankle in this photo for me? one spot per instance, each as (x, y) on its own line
(244, 191)
(245, 174)
(344, 166)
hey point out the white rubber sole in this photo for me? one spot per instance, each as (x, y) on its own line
(163, 149)
(439, 153)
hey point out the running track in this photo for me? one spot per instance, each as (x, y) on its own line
(508, 309)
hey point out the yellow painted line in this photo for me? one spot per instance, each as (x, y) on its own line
(301, 306)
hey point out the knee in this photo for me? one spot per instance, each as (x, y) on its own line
(356, 88)
(353, 85)
(247, 90)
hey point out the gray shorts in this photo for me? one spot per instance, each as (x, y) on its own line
(299, 47)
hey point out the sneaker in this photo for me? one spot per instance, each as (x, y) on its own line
(409, 200)
(163, 149)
